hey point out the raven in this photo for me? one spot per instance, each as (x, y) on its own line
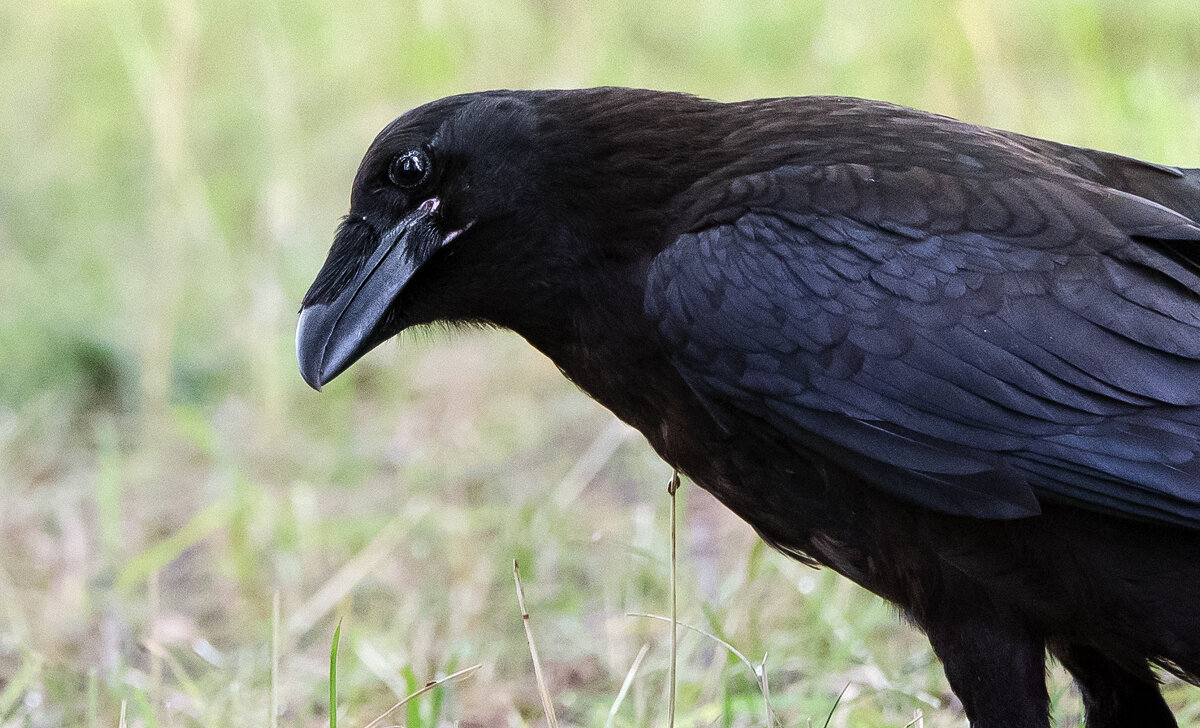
(960, 366)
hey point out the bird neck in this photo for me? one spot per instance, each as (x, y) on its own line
(600, 339)
(623, 158)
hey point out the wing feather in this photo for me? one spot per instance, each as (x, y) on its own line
(973, 345)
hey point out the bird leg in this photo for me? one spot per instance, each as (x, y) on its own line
(1114, 696)
(994, 663)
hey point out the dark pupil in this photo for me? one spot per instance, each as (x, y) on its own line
(408, 170)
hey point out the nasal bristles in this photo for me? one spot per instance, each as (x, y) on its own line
(352, 246)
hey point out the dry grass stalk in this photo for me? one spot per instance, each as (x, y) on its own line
(628, 682)
(759, 673)
(452, 677)
(672, 488)
(547, 705)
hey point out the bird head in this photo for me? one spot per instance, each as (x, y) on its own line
(434, 228)
(499, 208)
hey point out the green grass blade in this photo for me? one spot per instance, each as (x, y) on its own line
(333, 655)
(413, 709)
(834, 708)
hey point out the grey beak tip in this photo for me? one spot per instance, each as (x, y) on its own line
(310, 347)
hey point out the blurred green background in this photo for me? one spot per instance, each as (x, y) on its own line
(170, 177)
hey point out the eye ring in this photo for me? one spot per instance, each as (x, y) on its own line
(409, 169)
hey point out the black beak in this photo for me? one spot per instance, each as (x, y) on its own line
(338, 327)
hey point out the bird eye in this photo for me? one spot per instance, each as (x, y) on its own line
(409, 169)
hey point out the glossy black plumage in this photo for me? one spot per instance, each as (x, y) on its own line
(960, 366)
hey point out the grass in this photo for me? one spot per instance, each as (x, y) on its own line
(333, 660)
(171, 178)
(543, 693)
(673, 678)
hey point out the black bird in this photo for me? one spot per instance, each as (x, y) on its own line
(958, 365)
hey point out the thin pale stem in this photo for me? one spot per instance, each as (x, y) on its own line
(547, 705)
(672, 489)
